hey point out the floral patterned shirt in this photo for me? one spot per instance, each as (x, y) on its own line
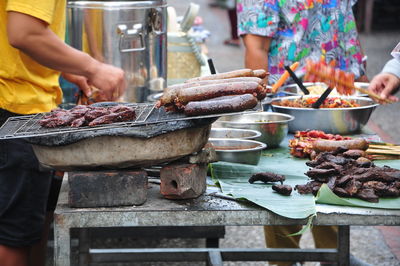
(302, 29)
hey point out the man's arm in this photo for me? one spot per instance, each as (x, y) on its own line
(33, 37)
(256, 54)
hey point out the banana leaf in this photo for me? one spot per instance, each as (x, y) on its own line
(233, 180)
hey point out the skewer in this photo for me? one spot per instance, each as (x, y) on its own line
(344, 82)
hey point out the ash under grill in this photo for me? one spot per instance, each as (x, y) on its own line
(146, 114)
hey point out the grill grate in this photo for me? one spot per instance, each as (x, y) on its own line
(28, 126)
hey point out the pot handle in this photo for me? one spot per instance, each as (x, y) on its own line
(126, 37)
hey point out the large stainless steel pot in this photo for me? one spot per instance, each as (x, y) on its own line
(128, 34)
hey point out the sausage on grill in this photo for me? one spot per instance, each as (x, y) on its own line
(225, 104)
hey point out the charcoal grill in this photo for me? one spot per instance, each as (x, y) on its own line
(154, 137)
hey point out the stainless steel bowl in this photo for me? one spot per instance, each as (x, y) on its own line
(329, 120)
(273, 126)
(238, 150)
(234, 133)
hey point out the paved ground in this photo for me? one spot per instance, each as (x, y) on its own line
(375, 245)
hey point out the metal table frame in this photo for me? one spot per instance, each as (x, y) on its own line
(207, 210)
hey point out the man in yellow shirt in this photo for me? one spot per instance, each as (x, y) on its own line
(33, 55)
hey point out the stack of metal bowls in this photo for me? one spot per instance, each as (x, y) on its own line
(236, 145)
(273, 126)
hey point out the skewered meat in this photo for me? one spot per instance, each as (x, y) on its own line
(235, 103)
(266, 177)
(332, 145)
(302, 145)
(334, 77)
(319, 72)
(285, 190)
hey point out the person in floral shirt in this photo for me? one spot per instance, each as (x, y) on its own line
(279, 32)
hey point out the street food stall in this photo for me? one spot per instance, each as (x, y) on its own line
(107, 150)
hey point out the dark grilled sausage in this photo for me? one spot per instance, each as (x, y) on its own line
(231, 74)
(225, 104)
(332, 145)
(206, 92)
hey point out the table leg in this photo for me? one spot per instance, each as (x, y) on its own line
(84, 246)
(344, 245)
(62, 246)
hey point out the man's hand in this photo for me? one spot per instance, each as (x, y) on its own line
(80, 81)
(109, 79)
(385, 84)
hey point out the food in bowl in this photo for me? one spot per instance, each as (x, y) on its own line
(331, 102)
(317, 88)
(330, 120)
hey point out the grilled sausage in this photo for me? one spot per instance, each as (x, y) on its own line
(216, 90)
(225, 104)
(332, 145)
(171, 92)
(231, 74)
(260, 73)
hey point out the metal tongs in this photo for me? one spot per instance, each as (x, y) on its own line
(320, 100)
(297, 81)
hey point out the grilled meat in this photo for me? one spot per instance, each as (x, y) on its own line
(266, 177)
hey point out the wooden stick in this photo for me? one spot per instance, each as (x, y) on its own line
(395, 148)
(377, 151)
(374, 96)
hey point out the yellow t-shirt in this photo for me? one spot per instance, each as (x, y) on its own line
(26, 87)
